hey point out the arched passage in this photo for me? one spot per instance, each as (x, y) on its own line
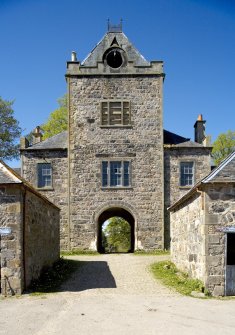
(115, 212)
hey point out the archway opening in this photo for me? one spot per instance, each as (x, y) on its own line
(116, 231)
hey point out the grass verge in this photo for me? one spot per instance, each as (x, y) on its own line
(170, 276)
(79, 252)
(152, 252)
(52, 278)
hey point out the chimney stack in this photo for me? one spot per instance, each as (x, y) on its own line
(199, 132)
(37, 135)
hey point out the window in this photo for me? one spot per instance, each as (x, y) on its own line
(115, 174)
(44, 175)
(186, 174)
(114, 113)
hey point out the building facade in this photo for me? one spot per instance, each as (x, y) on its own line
(203, 230)
(111, 160)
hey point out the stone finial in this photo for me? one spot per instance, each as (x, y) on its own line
(37, 135)
(73, 56)
(199, 133)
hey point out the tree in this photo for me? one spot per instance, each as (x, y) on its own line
(118, 235)
(10, 131)
(57, 121)
(223, 146)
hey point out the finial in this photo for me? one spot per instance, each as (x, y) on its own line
(115, 28)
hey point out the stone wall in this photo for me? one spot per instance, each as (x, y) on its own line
(220, 214)
(11, 214)
(188, 237)
(141, 143)
(58, 194)
(172, 189)
(42, 235)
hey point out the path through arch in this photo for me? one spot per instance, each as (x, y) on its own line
(115, 212)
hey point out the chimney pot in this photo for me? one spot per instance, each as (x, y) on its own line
(37, 135)
(73, 56)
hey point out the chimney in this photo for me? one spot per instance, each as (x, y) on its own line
(37, 135)
(73, 56)
(24, 143)
(199, 132)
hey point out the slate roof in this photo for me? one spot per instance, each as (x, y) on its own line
(6, 175)
(58, 141)
(133, 54)
(171, 138)
(224, 172)
(9, 176)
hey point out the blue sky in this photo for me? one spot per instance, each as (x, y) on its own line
(194, 38)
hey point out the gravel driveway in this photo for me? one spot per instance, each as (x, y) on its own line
(115, 294)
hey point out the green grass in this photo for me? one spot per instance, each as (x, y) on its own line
(79, 252)
(173, 278)
(152, 252)
(52, 278)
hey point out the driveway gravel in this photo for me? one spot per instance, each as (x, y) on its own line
(115, 294)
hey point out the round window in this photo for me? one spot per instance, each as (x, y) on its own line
(114, 58)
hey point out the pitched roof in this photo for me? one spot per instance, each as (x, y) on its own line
(58, 141)
(172, 138)
(9, 176)
(224, 172)
(120, 38)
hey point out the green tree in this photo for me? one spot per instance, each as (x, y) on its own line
(10, 131)
(118, 235)
(57, 121)
(223, 146)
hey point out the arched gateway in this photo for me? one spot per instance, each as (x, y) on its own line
(115, 212)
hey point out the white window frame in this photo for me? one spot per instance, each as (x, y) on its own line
(187, 174)
(45, 173)
(121, 172)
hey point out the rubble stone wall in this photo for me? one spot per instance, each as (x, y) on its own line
(11, 246)
(42, 236)
(140, 143)
(172, 189)
(188, 237)
(220, 215)
(58, 194)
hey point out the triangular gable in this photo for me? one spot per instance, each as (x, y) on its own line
(7, 176)
(120, 38)
(224, 172)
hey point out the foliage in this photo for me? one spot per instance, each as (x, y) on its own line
(52, 278)
(79, 252)
(9, 131)
(223, 146)
(57, 121)
(118, 235)
(152, 252)
(171, 277)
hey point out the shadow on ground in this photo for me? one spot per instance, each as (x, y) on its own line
(89, 275)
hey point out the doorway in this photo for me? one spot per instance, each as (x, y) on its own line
(121, 220)
(230, 264)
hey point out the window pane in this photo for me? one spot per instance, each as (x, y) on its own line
(44, 175)
(186, 173)
(115, 174)
(126, 174)
(104, 174)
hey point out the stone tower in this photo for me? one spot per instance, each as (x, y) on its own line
(115, 143)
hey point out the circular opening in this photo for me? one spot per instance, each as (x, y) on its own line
(114, 59)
